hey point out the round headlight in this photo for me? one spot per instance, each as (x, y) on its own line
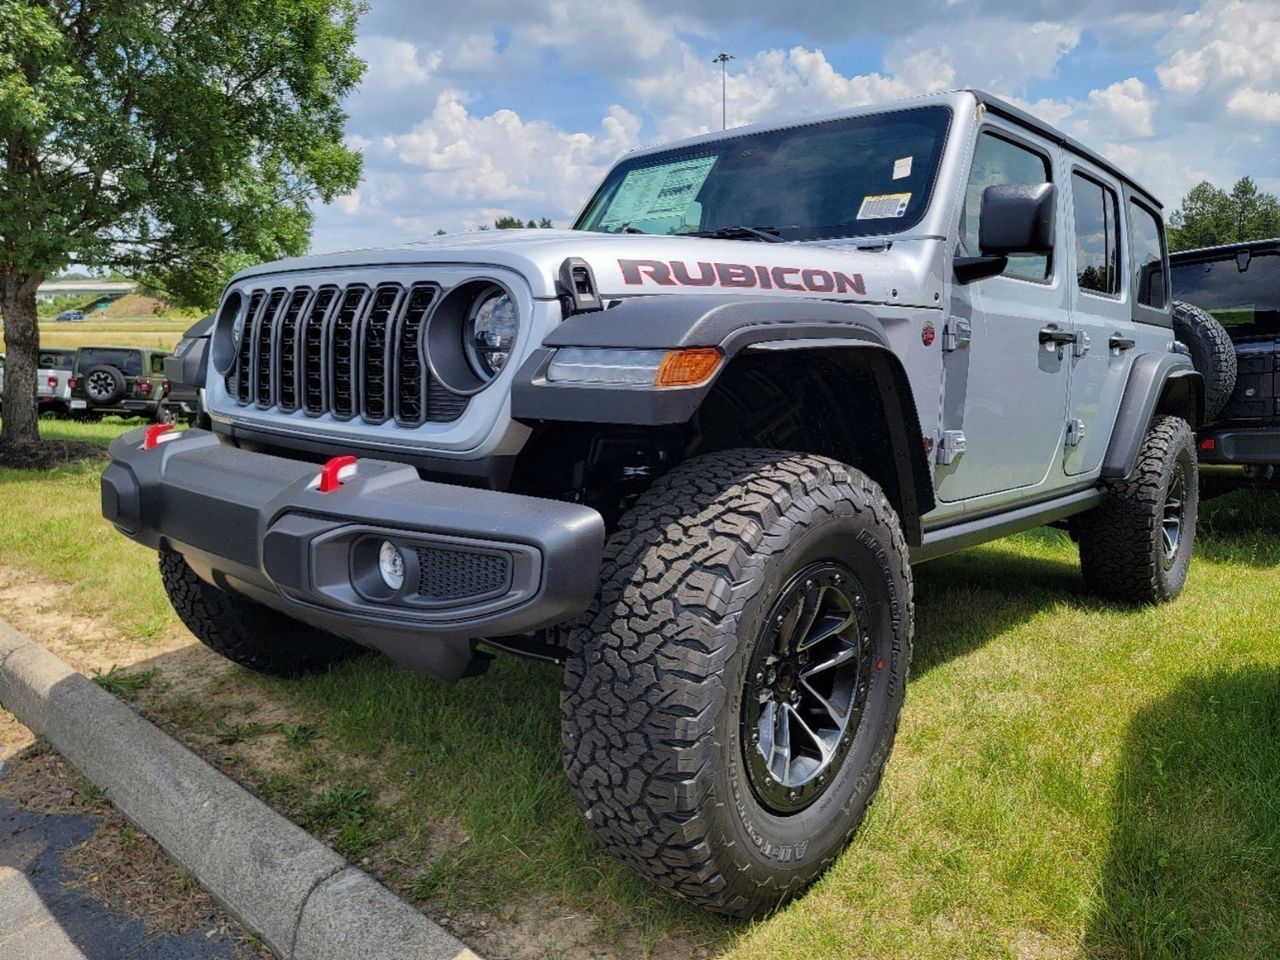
(490, 332)
(391, 565)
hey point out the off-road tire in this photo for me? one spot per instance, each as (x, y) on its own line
(104, 385)
(653, 736)
(1212, 353)
(163, 413)
(246, 632)
(1122, 549)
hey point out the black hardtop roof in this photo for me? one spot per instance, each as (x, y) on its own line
(1018, 115)
(1203, 254)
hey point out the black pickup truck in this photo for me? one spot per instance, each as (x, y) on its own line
(1239, 285)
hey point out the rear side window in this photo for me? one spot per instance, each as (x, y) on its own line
(128, 362)
(157, 363)
(56, 360)
(996, 161)
(1097, 222)
(1146, 238)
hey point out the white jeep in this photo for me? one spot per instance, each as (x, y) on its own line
(691, 448)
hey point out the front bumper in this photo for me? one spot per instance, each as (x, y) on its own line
(478, 563)
(1240, 444)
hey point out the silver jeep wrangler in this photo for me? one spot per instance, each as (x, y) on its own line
(691, 449)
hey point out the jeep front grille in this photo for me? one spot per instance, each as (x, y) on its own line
(354, 351)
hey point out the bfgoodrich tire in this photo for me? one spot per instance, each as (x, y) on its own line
(749, 597)
(1212, 353)
(246, 632)
(1136, 547)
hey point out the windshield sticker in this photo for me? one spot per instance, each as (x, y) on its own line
(703, 273)
(662, 191)
(901, 168)
(884, 206)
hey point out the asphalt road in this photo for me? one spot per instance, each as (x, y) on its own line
(43, 919)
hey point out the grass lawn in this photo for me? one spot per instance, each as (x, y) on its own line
(162, 332)
(1071, 778)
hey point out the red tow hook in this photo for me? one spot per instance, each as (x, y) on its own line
(156, 435)
(334, 473)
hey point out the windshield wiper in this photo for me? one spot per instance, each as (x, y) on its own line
(627, 228)
(765, 234)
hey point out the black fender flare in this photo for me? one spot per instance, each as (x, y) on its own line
(1158, 382)
(736, 325)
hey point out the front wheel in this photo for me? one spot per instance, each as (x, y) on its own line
(729, 709)
(1136, 546)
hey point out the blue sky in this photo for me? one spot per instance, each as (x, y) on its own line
(474, 110)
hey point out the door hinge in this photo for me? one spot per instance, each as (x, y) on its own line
(1081, 346)
(956, 333)
(1075, 433)
(950, 447)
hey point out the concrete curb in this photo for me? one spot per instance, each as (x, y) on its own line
(301, 898)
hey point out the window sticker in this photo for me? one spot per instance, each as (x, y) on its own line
(884, 206)
(901, 168)
(660, 191)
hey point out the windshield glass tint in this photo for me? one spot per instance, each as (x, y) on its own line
(844, 178)
(1246, 302)
(56, 360)
(128, 362)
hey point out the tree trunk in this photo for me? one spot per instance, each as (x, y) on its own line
(19, 417)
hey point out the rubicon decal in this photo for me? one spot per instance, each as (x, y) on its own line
(704, 273)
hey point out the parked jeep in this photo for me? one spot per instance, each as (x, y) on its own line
(691, 449)
(1232, 319)
(125, 381)
(53, 380)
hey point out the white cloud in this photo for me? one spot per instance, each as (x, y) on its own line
(394, 66)
(1260, 105)
(1225, 45)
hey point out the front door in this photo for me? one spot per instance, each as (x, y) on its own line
(1005, 391)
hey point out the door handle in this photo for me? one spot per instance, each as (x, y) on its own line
(1055, 335)
(1118, 342)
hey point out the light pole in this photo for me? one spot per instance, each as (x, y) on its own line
(723, 60)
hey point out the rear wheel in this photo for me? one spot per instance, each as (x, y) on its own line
(729, 709)
(246, 632)
(1136, 546)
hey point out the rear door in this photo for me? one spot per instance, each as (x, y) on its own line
(1101, 318)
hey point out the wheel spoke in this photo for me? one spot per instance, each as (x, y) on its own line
(823, 749)
(837, 716)
(779, 742)
(843, 657)
(800, 621)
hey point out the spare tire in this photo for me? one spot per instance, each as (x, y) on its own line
(1212, 352)
(104, 385)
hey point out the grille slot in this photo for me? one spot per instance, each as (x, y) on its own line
(353, 351)
(262, 344)
(459, 574)
(286, 350)
(376, 344)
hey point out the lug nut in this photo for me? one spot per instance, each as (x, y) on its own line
(808, 584)
(836, 580)
(792, 795)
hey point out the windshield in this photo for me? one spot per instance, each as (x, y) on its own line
(854, 177)
(57, 359)
(128, 362)
(1246, 302)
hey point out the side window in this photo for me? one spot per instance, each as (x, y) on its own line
(1097, 217)
(995, 161)
(157, 363)
(1147, 240)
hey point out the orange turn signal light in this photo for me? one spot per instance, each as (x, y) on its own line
(688, 366)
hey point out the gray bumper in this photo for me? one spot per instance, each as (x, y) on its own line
(478, 563)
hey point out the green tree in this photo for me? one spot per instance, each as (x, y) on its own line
(545, 223)
(508, 223)
(171, 141)
(1209, 216)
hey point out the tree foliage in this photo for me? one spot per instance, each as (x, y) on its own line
(172, 140)
(1209, 216)
(515, 223)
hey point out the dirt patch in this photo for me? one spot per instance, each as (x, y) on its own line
(118, 865)
(132, 305)
(47, 454)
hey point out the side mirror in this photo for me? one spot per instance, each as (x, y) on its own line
(1017, 218)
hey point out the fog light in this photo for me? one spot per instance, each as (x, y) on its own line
(391, 565)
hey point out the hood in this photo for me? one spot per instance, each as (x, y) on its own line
(630, 264)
